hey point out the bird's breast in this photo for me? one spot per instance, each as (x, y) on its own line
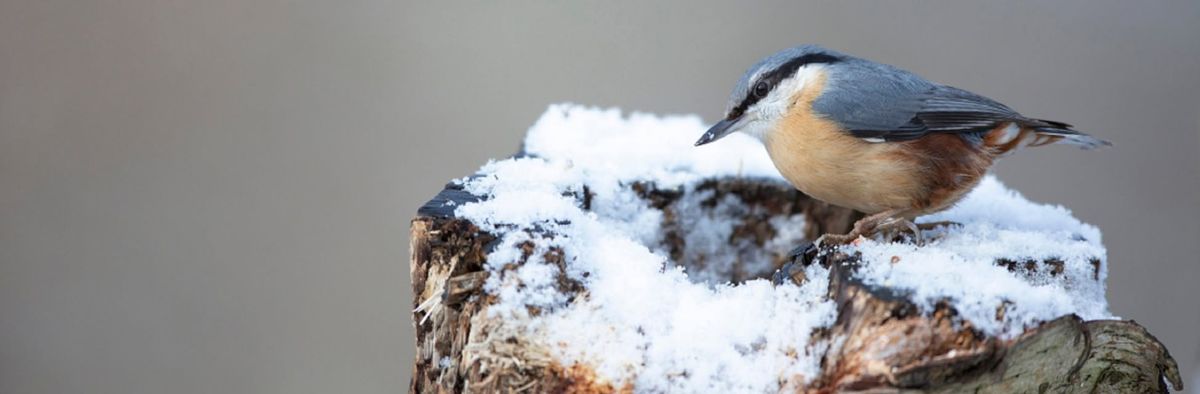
(827, 163)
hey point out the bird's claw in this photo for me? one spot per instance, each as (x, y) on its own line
(893, 227)
(889, 229)
(934, 225)
(836, 239)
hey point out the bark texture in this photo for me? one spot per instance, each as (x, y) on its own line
(882, 343)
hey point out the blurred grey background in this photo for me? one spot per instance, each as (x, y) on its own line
(214, 196)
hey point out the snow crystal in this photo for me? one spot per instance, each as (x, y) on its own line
(648, 321)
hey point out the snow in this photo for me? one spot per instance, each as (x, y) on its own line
(646, 320)
(707, 232)
(960, 266)
(642, 146)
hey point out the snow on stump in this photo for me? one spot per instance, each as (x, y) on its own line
(612, 256)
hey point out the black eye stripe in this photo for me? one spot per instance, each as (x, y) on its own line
(773, 77)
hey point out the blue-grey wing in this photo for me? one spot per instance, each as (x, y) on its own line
(946, 109)
(884, 103)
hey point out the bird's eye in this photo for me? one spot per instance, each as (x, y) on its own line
(761, 89)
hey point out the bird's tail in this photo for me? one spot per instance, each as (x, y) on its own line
(1037, 132)
(1049, 132)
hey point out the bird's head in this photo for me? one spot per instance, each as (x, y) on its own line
(767, 91)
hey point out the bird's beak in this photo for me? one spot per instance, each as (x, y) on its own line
(721, 129)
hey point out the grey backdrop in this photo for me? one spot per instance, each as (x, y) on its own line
(214, 196)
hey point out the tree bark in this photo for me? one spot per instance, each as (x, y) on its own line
(883, 344)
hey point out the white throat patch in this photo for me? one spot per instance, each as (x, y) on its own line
(763, 115)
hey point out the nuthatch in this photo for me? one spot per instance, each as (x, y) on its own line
(875, 138)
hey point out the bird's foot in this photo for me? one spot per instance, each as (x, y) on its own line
(895, 227)
(934, 225)
(938, 228)
(887, 226)
(837, 239)
(863, 227)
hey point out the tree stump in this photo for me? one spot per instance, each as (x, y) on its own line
(880, 341)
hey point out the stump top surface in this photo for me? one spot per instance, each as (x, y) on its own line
(585, 225)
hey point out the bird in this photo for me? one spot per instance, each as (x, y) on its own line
(875, 138)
